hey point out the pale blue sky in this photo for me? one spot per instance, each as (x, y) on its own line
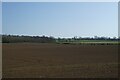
(0, 18)
(60, 19)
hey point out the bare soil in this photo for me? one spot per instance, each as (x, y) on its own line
(32, 60)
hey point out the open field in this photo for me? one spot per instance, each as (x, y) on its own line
(32, 60)
(0, 60)
(92, 42)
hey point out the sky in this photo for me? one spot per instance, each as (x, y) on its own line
(60, 19)
(0, 19)
(60, 0)
(119, 19)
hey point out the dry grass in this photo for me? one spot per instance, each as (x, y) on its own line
(30, 60)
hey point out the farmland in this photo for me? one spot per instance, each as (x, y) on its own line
(51, 60)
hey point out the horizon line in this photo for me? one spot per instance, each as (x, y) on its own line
(61, 36)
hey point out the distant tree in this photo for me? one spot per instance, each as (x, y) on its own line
(95, 37)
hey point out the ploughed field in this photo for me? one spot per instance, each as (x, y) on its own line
(47, 60)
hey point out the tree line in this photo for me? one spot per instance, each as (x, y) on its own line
(46, 39)
(33, 39)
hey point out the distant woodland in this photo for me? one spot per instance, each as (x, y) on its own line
(46, 39)
(34, 39)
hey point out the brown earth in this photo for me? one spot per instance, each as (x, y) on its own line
(32, 60)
